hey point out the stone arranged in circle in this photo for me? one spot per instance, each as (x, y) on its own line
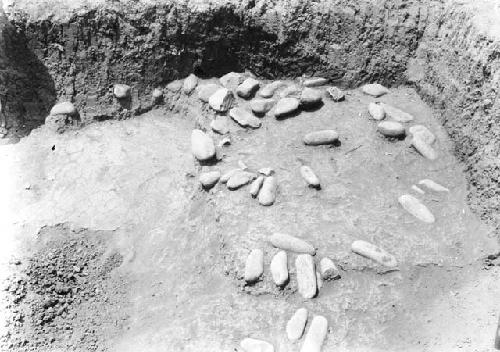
(121, 91)
(209, 179)
(328, 269)
(391, 129)
(296, 325)
(310, 177)
(221, 100)
(315, 82)
(232, 80)
(373, 252)
(321, 137)
(279, 268)
(202, 146)
(424, 148)
(306, 276)
(219, 125)
(244, 118)
(261, 106)
(291, 92)
(374, 89)
(256, 186)
(226, 176)
(416, 208)
(190, 83)
(396, 114)
(376, 111)
(267, 194)
(254, 345)
(310, 97)
(269, 89)
(336, 94)
(434, 186)
(247, 89)
(254, 266)
(205, 91)
(286, 106)
(422, 132)
(239, 179)
(291, 243)
(316, 335)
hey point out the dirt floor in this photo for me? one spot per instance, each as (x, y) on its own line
(126, 193)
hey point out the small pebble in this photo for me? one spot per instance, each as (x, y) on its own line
(306, 276)
(310, 177)
(157, 95)
(239, 179)
(244, 118)
(417, 189)
(310, 97)
(279, 268)
(374, 253)
(205, 91)
(316, 335)
(254, 266)
(391, 129)
(296, 325)
(328, 269)
(269, 89)
(256, 186)
(209, 179)
(219, 125)
(225, 141)
(376, 111)
(262, 106)
(254, 345)
(226, 176)
(190, 83)
(232, 80)
(221, 100)
(291, 243)
(433, 185)
(286, 106)
(267, 171)
(64, 108)
(121, 91)
(247, 89)
(396, 114)
(267, 194)
(202, 146)
(321, 137)
(422, 132)
(336, 94)
(423, 148)
(315, 82)
(416, 208)
(374, 89)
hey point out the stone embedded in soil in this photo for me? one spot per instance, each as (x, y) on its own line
(221, 100)
(279, 268)
(373, 252)
(202, 146)
(434, 186)
(422, 132)
(267, 171)
(328, 269)
(174, 86)
(232, 80)
(254, 345)
(396, 114)
(256, 186)
(306, 276)
(316, 335)
(219, 125)
(291, 243)
(336, 94)
(261, 106)
(209, 179)
(247, 89)
(391, 129)
(291, 92)
(121, 91)
(310, 177)
(267, 194)
(239, 179)
(224, 141)
(374, 89)
(242, 165)
(190, 83)
(244, 118)
(286, 106)
(226, 176)
(64, 108)
(425, 149)
(315, 82)
(205, 91)
(416, 208)
(321, 137)
(310, 97)
(157, 95)
(254, 266)
(376, 111)
(296, 325)
(62, 116)
(269, 89)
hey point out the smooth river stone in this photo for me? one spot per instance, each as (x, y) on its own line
(321, 137)
(244, 118)
(219, 125)
(286, 106)
(64, 108)
(336, 94)
(254, 345)
(426, 150)
(422, 132)
(261, 106)
(209, 179)
(396, 114)
(416, 208)
(256, 186)
(434, 186)
(316, 335)
(221, 100)
(310, 177)
(373, 252)
(306, 276)
(296, 325)
(205, 91)
(279, 268)
(291, 92)
(269, 89)
(310, 97)
(121, 91)
(315, 82)
(239, 179)
(202, 146)
(376, 111)
(391, 129)
(254, 266)
(291, 243)
(374, 89)
(232, 80)
(190, 83)
(248, 88)
(267, 194)
(328, 269)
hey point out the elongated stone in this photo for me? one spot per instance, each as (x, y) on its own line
(374, 89)
(209, 179)
(221, 100)
(256, 186)
(306, 275)
(64, 108)
(373, 252)
(219, 125)
(254, 266)
(205, 91)
(174, 86)
(269, 89)
(310, 97)
(416, 208)
(279, 268)
(321, 137)
(316, 335)
(239, 179)
(315, 82)
(291, 92)
(426, 150)
(189, 84)
(254, 345)
(227, 175)
(433, 185)
(310, 177)
(202, 146)
(319, 281)
(267, 171)
(286, 106)
(336, 94)
(291, 243)
(376, 111)
(244, 118)
(247, 89)
(328, 269)
(267, 194)
(232, 80)
(391, 129)
(396, 114)
(121, 91)
(296, 325)
(422, 132)
(261, 106)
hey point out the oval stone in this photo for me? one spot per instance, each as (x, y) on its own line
(321, 137)
(422, 132)
(256, 186)
(296, 325)
(219, 125)
(121, 91)
(248, 88)
(190, 83)
(244, 118)
(310, 177)
(254, 345)
(373, 252)
(315, 82)
(64, 108)
(316, 335)
(254, 266)
(434, 186)
(286, 106)
(374, 89)
(306, 276)
(376, 111)
(391, 129)
(239, 179)
(202, 146)
(310, 97)
(267, 194)
(221, 100)
(423, 148)
(291, 243)
(262, 106)
(396, 114)
(279, 268)
(328, 269)
(269, 89)
(209, 179)
(416, 208)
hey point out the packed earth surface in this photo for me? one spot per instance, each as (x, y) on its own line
(116, 238)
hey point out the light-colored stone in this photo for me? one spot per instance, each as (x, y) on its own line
(291, 243)
(121, 91)
(254, 345)
(202, 146)
(190, 83)
(391, 129)
(254, 266)
(315, 82)
(316, 335)
(232, 80)
(239, 179)
(296, 325)
(247, 89)
(434, 186)
(205, 91)
(291, 92)
(261, 106)
(328, 269)
(209, 179)
(267, 194)
(417, 189)
(422, 132)
(221, 100)
(376, 111)
(336, 94)
(286, 106)
(256, 186)
(416, 208)
(373, 252)
(321, 137)
(269, 89)
(306, 276)
(60, 123)
(310, 177)
(174, 86)
(279, 268)
(244, 118)
(219, 125)
(426, 150)
(319, 281)
(396, 114)
(374, 89)
(310, 97)
(242, 165)
(227, 175)
(225, 141)
(64, 108)
(157, 95)
(266, 171)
